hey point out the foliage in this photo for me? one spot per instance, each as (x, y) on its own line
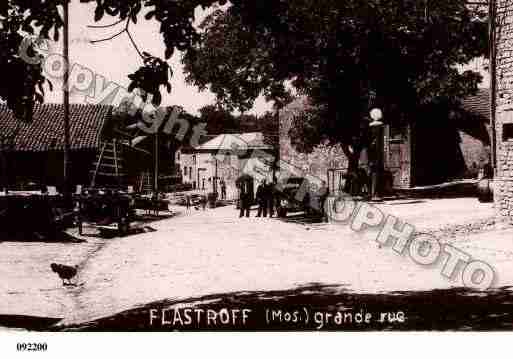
(220, 120)
(231, 62)
(20, 18)
(150, 77)
(336, 52)
(217, 119)
(346, 56)
(22, 83)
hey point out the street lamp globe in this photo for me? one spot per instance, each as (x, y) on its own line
(376, 114)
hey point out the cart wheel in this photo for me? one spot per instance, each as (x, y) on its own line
(123, 227)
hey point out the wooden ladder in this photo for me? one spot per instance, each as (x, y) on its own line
(146, 182)
(108, 164)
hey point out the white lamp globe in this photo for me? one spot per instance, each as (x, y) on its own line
(376, 114)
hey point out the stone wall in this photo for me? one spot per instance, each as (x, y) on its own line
(323, 157)
(504, 112)
(330, 158)
(475, 153)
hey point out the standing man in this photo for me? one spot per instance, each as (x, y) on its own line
(323, 196)
(204, 202)
(188, 202)
(270, 198)
(261, 198)
(223, 189)
(244, 200)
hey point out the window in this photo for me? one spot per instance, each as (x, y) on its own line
(507, 131)
(178, 156)
(194, 159)
(190, 173)
(397, 134)
(185, 171)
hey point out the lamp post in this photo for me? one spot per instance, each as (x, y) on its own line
(213, 161)
(376, 152)
(156, 163)
(67, 183)
(215, 175)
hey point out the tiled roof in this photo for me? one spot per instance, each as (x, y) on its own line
(46, 131)
(478, 104)
(230, 141)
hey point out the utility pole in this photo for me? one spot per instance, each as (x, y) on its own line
(156, 179)
(215, 178)
(67, 186)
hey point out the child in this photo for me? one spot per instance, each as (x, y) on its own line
(188, 202)
(204, 202)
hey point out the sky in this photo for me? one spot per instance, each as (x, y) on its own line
(117, 58)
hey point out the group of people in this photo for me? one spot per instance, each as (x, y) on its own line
(265, 197)
(357, 183)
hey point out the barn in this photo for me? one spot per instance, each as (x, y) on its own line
(439, 147)
(32, 153)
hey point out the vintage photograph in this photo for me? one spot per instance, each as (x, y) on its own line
(256, 166)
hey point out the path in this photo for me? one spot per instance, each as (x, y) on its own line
(216, 252)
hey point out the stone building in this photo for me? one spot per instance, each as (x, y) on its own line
(327, 162)
(226, 158)
(32, 153)
(504, 109)
(435, 149)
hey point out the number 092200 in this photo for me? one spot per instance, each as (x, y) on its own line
(31, 347)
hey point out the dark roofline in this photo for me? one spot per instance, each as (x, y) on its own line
(46, 130)
(478, 105)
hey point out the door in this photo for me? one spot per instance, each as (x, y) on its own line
(336, 180)
(397, 157)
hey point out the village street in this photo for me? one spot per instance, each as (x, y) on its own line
(212, 252)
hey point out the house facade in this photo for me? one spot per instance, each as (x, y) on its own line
(430, 151)
(225, 158)
(32, 153)
(503, 191)
(327, 162)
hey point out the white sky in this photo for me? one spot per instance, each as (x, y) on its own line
(117, 58)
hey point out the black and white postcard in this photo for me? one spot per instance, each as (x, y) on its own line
(255, 166)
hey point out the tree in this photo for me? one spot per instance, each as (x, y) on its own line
(20, 18)
(336, 52)
(23, 83)
(346, 56)
(217, 119)
(268, 124)
(229, 60)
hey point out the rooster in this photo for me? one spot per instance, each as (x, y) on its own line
(64, 272)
